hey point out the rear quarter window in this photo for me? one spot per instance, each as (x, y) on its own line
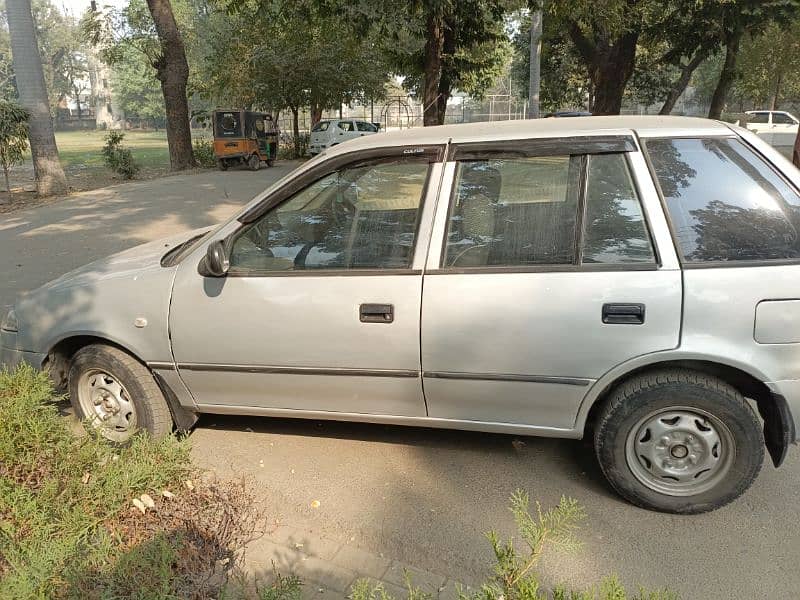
(321, 126)
(724, 201)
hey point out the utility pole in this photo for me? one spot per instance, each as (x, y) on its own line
(536, 59)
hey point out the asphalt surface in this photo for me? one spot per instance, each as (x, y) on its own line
(424, 497)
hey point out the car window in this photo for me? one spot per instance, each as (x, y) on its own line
(615, 230)
(514, 212)
(356, 218)
(761, 117)
(364, 126)
(725, 203)
(321, 126)
(782, 119)
(346, 125)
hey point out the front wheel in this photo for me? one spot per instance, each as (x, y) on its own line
(679, 441)
(254, 162)
(116, 394)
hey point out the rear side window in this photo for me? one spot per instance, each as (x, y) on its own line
(782, 119)
(514, 212)
(758, 118)
(364, 126)
(725, 203)
(615, 230)
(321, 126)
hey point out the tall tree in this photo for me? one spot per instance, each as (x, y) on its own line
(172, 70)
(50, 178)
(535, 60)
(151, 29)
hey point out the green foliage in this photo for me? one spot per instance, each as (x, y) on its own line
(137, 91)
(13, 135)
(117, 157)
(513, 575)
(283, 587)
(204, 152)
(57, 489)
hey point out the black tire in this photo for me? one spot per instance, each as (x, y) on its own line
(271, 162)
(222, 164)
(254, 163)
(683, 390)
(151, 410)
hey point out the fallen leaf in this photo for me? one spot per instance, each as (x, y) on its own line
(147, 501)
(315, 504)
(167, 494)
(140, 505)
(188, 483)
(86, 477)
(518, 445)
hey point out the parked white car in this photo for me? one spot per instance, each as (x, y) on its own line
(776, 127)
(330, 132)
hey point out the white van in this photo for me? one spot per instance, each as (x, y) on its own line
(330, 132)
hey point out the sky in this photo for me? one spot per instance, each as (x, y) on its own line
(77, 7)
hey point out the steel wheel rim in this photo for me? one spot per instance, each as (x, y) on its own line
(106, 403)
(680, 451)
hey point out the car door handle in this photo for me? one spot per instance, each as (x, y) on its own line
(376, 313)
(623, 314)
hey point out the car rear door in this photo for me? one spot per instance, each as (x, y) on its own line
(552, 265)
(319, 311)
(784, 130)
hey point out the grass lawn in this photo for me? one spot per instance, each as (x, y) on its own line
(80, 150)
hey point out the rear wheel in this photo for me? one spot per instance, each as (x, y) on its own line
(116, 394)
(222, 164)
(254, 163)
(679, 441)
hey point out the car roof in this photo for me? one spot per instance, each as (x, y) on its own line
(644, 126)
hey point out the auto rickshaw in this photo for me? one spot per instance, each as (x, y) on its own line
(244, 137)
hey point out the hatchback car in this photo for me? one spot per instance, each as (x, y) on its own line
(630, 279)
(331, 132)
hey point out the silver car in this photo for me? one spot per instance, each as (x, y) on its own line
(632, 279)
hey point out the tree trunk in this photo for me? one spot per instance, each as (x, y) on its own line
(534, 83)
(610, 65)
(434, 45)
(726, 76)
(50, 178)
(679, 86)
(172, 71)
(316, 113)
(296, 129)
(775, 92)
(8, 181)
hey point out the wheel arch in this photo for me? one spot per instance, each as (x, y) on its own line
(779, 431)
(59, 359)
(62, 350)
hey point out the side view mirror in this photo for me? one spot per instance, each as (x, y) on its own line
(215, 263)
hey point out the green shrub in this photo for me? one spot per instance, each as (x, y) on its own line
(513, 574)
(117, 157)
(204, 152)
(68, 528)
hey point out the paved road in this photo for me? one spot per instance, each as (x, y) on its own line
(419, 496)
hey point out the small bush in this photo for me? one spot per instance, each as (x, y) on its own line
(117, 157)
(204, 153)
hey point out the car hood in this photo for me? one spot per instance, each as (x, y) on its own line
(122, 264)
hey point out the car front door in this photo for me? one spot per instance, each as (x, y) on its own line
(347, 131)
(319, 310)
(545, 276)
(759, 122)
